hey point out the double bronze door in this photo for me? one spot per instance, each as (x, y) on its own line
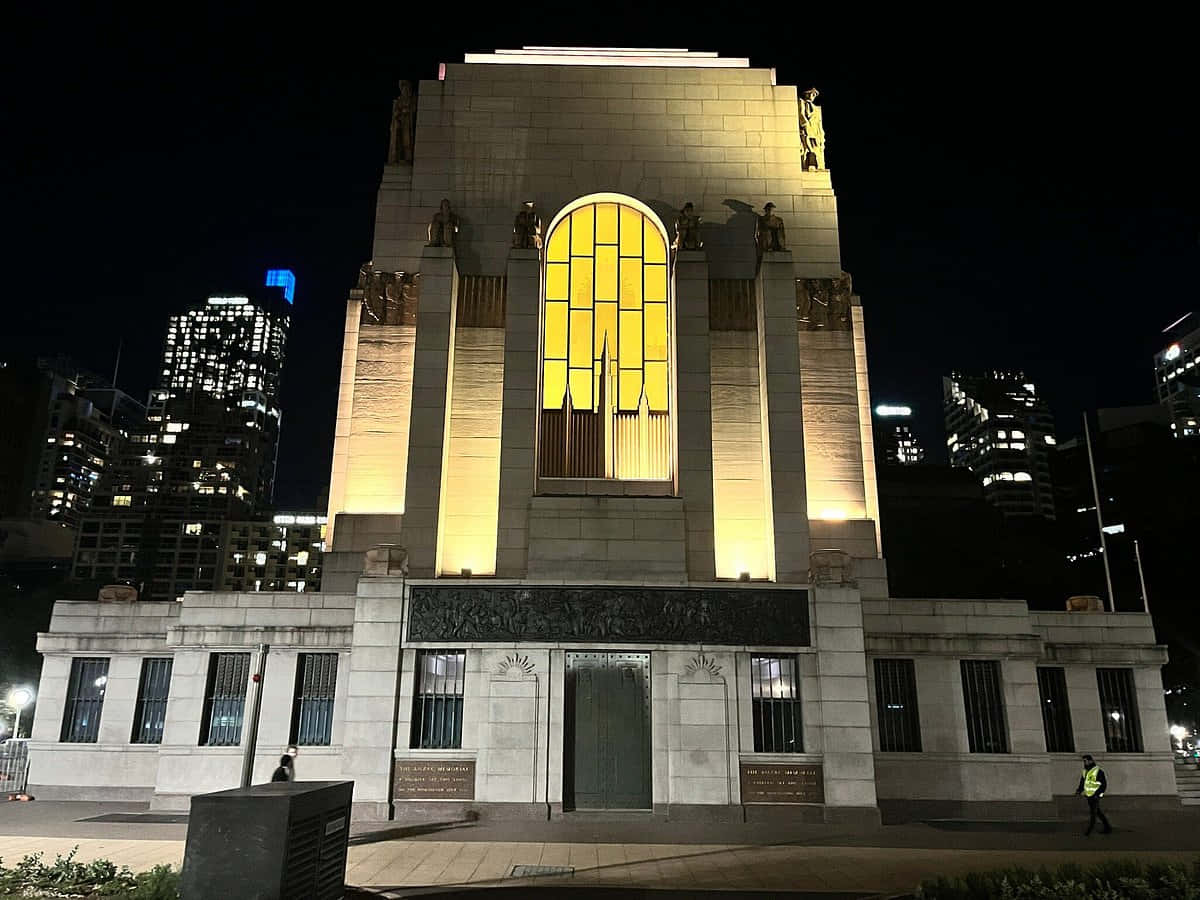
(607, 740)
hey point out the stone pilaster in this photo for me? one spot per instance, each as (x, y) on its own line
(432, 381)
(518, 428)
(783, 422)
(694, 393)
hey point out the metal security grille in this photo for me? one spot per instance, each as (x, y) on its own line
(1056, 711)
(984, 701)
(438, 699)
(225, 699)
(312, 713)
(1118, 707)
(776, 705)
(85, 700)
(896, 706)
(151, 711)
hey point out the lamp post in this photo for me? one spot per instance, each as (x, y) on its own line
(18, 699)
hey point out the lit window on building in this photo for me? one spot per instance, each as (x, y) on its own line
(122, 500)
(775, 700)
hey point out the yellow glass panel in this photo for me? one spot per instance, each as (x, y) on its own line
(581, 338)
(656, 248)
(631, 283)
(631, 341)
(656, 331)
(656, 386)
(556, 281)
(556, 331)
(554, 383)
(606, 273)
(581, 231)
(581, 283)
(581, 388)
(606, 223)
(656, 283)
(606, 325)
(631, 232)
(557, 250)
(630, 390)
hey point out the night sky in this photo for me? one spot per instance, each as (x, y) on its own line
(1011, 194)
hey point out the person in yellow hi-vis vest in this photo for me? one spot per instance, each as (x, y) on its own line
(1093, 784)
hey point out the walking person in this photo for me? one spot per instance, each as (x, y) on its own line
(284, 771)
(1093, 784)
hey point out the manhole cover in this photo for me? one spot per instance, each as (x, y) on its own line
(527, 871)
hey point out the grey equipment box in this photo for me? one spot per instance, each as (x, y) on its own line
(284, 840)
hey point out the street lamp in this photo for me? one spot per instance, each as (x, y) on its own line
(18, 699)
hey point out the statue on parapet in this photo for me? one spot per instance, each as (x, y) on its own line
(812, 131)
(443, 230)
(769, 233)
(400, 140)
(687, 229)
(527, 229)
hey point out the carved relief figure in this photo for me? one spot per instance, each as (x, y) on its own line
(400, 142)
(839, 302)
(687, 229)
(812, 131)
(527, 229)
(444, 228)
(769, 233)
(389, 298)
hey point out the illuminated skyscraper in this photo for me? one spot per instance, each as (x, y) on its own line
(998, 427)
(1177, 377)
(895, 443)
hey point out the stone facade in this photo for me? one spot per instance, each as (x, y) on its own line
(719, 626)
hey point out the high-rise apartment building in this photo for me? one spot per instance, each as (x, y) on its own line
(895, 442)
(283, 553)
(206, 455)
(1177, 377)
(1002, 430)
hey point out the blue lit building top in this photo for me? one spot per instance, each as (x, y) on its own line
(283, 278)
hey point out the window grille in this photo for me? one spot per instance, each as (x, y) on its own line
(312, 713)
(85, 700)
(1118, 706)
(438, 699)
(225, 699)
(150, 714)
(984, 702)
(775, 701)
(1056, 711)
(896, 706)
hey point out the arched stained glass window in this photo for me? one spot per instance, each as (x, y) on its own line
(606, 346)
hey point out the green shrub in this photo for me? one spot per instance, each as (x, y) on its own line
(1118, 879)
(66, 877)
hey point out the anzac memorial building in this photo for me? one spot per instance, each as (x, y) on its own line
(603, 528)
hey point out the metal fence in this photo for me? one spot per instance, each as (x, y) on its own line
(14, 767)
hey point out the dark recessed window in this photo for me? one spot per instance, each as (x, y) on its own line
(896, 706)
(775, 703)
(150, 714)
(225, 699)
(438, 699)
(1056, 711)
(85, 700)
(984, 701)
(312, 712)
(1118, 707)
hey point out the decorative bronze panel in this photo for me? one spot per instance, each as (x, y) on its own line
(731, 305)
(782, 783)
(481, 301)
(476, 612)
(435, 779)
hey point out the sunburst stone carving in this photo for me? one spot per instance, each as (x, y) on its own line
(702, 663)
(515, 664)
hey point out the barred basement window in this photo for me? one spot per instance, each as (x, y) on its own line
(312, 713)
(438, 699)
(1056, 712)
(775, 703)
(984, 701)
(1118, 707)
(85, 700)
(896, 706)
(225, 700)
(151, 711)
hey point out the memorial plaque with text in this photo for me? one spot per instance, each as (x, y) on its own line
(782, 783)
(435, 779)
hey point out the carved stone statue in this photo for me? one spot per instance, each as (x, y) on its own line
(687, 229)
(388, 298)
(824, 303)
(400, 142)
(527, 229)
(812, 131)
(769, 233)
(443, 230)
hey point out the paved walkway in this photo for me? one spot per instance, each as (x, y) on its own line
(886, 860)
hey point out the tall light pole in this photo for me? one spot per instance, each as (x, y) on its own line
(18, 699)
(1087, 434)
